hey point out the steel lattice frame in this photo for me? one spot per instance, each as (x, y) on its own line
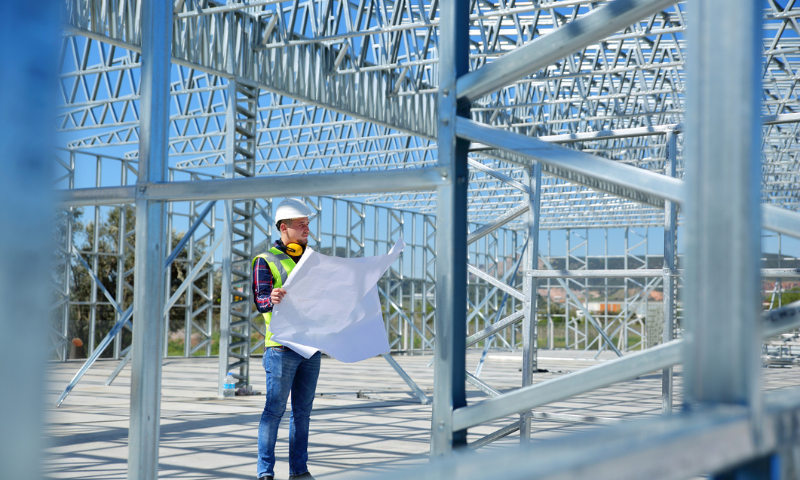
(570, 125)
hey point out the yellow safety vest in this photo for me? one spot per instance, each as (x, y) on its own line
(281, 265)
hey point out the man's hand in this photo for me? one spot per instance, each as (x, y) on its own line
(277, 295)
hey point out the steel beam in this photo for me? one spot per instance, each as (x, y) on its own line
(723, 214)
(634, 183)
(512, 182)
(669, 284)
(547, 49)
(615, 273)
(451, 241)
(605, 175)
(588, 379)
(240, 156)
(530, 289)
(407, 180)
(775, 322)
(618, 133)
(275, 70)
(494, 436)
(423, 398)
(482, 386)
(619, 369)
(495, 327)
(705, 441)
(101, 347)
(226, 295)
(85, 197)
(191, 275)
(189, 233)
(95, 280)
(498, 222)
(149, 287)
(614, 134)
(780, 220)
(119, 368)
(644, 272)
(496, 283)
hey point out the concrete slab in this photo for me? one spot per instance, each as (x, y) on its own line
(203, 437)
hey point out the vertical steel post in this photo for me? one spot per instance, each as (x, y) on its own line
(451, 234)
(429, 287)
(530, 321)
(68, 265)
(95, 262)
(27, 93)
(64, 350)
(188, 311)
(169, 216)
(668, 282)
(723, 216)
(623, 337)
(723, 205)
(605, 282)
(240, 153)
(226, 290)
(123, 210)
(148, 303)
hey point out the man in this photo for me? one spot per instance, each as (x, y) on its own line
(287, 371)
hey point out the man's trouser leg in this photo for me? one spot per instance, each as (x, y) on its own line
(280, 363)
(303, 390)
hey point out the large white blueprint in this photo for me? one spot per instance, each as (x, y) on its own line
(331, 304)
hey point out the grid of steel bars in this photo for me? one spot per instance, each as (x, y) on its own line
(443, 113)
(723, 196)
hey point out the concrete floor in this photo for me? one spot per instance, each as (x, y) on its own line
(385, 427)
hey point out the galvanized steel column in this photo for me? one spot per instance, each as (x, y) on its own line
(29, 31)
(723, 155)
(451, 234)
(668, 281)
(148, 303)
(226, 291)
(723, 225)
(240, 153)
(529, 323)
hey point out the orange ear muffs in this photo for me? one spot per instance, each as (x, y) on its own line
(294, 249)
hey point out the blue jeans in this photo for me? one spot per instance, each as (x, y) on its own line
(287, 371)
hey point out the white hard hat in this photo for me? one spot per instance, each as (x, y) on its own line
(292, 208)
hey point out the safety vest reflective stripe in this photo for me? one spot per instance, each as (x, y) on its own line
(275, 263)
(281, 265)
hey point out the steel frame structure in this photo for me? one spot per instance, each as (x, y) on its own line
(503, 119)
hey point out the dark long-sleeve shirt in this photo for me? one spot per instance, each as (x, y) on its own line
(263, 281)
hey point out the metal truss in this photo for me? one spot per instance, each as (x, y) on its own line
(737, 384)
(631, 79)
(620, 304)
(195, 293)
(358, 55)
(237, 252)
(467, 127)
(412, 328)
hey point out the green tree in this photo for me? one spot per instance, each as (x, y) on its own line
(83, 237)
(110, 270)
(791, 295)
